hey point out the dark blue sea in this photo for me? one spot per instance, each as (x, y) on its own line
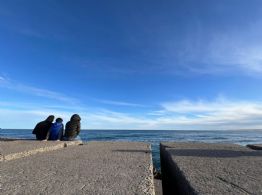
(155, 137)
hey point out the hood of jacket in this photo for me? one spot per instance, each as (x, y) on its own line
(50, 118)
(57, 125)
(75, 117)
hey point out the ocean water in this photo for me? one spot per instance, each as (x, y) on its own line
(154, 137)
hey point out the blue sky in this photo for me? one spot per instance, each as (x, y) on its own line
(180, 64)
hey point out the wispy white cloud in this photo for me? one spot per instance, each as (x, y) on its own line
(91, 119)
(230, 51)
(157, 113)
(119, 103)
(43, 93)
(204, 115)
(27, 118)
(28, 89)
(2, 79)
(201, 106)
(217, 114)
(204, 51)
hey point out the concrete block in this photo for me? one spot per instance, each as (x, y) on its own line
(201, 168)
(94, 168)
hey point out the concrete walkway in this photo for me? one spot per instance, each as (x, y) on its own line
(200, 168)
(92, 168)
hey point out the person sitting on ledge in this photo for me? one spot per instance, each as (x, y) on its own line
(72, 129)
(57, 130)
(42, 128)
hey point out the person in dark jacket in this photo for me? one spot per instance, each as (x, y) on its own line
(72, 129)
(42, 128)
(56, 131)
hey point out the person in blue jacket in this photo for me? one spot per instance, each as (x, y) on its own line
(56, 131)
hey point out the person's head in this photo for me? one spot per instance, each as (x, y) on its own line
(59, 120)
(75, 117)
(50, 118)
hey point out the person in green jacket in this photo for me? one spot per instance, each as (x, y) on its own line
(72, 129)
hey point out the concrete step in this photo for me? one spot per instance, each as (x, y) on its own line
(201, 168)
(93, 168)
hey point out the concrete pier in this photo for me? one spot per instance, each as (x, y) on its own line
(200, 168)
(92, 168)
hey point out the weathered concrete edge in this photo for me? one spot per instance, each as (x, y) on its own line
(173, 179)
(26, 153)
(149, 181)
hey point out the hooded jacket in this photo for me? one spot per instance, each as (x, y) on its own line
(42, 128)
(73, 127)
(56, 131)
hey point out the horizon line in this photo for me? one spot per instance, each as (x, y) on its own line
(150, 129)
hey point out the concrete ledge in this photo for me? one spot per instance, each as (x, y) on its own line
(200, 168)
(15, 149)
(93, 168)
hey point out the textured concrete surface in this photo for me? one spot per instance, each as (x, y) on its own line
(255, 146)
(200, 168)
(158, 187)
(14, 149)
(93, 168)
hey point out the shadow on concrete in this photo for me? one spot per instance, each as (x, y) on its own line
(213, 153)
(142, 151)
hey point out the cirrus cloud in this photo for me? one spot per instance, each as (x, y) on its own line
(180, 115)
(36, 91)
